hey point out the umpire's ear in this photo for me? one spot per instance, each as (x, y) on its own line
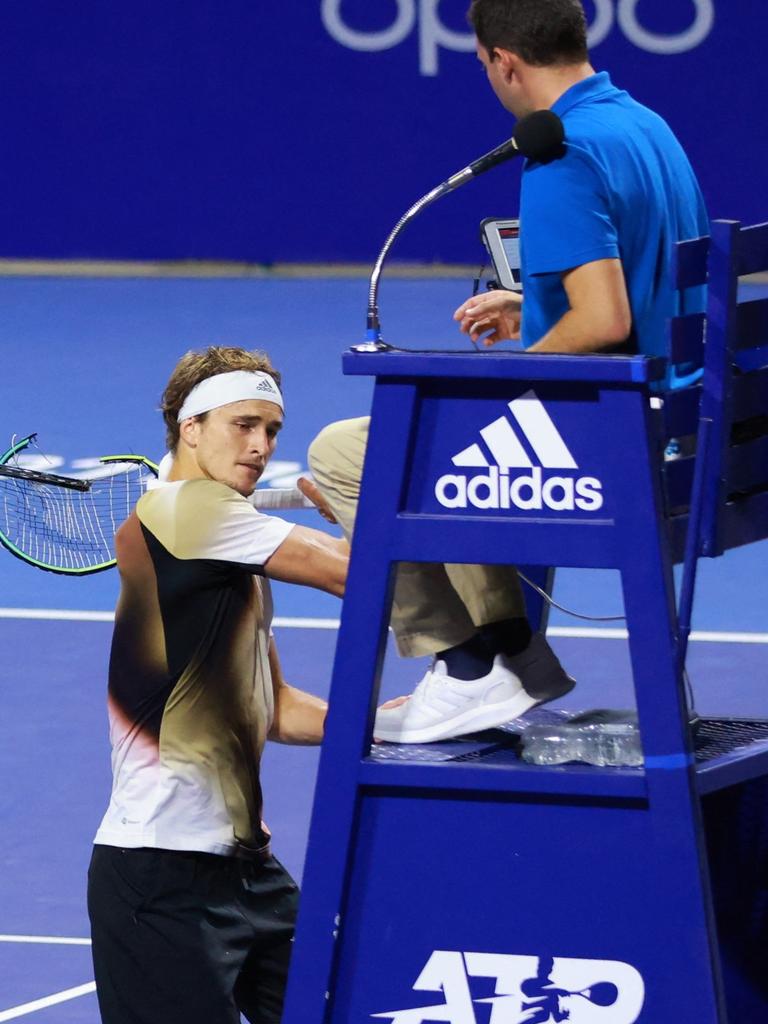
(510, 64)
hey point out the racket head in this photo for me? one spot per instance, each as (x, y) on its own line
(67, 525)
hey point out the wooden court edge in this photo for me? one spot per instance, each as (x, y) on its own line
(288, 622)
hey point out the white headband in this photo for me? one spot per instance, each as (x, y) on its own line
(224, 388)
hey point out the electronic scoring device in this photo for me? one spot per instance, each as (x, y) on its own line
(502, 240)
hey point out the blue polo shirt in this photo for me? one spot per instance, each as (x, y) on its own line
(624, 189)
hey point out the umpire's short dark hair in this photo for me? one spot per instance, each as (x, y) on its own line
(542, 32)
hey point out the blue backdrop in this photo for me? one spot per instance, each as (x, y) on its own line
(246, 130)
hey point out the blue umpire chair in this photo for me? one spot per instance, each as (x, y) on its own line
(460, 884)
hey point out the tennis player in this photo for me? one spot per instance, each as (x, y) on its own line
(598, 229)
(192, 916)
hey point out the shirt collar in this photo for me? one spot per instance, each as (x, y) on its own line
(588, 89)
(153, 484)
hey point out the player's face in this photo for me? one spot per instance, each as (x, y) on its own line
(235, 442)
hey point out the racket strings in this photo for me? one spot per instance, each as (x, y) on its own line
(65, 529)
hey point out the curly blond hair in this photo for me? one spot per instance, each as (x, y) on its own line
(194, 367)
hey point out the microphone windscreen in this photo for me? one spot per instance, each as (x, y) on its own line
(540, 135)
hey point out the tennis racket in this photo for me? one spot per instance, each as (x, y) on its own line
(67, 524)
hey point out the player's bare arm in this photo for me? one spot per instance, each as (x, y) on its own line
(311, 558)
(496, 314)
(599, 317)
(299, 716)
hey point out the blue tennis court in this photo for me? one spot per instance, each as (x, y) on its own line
(86, 359)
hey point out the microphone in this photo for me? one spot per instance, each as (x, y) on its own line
(538, 136)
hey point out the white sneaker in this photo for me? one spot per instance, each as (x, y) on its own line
(441, 706)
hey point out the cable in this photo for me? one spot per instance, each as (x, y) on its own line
(694, 716)
(568, 611)
(694, 720)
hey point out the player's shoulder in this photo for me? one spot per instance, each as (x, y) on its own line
(191, 509)
(209, 520)
(179, 494)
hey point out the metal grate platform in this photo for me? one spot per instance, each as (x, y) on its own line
(715, 737)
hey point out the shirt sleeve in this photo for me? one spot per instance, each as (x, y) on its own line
(565, 214)
(205, 519)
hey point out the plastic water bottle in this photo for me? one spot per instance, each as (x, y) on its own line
(549, 744)
(673, 450)
(600, 737)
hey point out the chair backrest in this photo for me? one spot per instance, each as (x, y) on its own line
(727, 410)
(734, 402)
(679, 415)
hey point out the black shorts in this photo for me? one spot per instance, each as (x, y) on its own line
(189, 938)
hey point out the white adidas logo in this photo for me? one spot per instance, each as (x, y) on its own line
(526, 491)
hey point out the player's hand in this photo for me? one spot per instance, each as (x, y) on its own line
(495, 314)
(310, 490)
(394, 703)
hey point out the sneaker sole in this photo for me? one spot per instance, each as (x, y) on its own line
(563, 688)
(486, 717)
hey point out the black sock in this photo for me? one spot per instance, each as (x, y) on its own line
(474, 658)
(510, 636)
(470, 660)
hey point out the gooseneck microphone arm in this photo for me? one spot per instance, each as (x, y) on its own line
(373, 324)
(538, 136)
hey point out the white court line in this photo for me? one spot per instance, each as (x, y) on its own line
(288, 623)
(67, 615)
(710, 637)
(577, 632)
(588, 632)
(46, 940)
(56, 613)
(41, 1004)
(703, 636)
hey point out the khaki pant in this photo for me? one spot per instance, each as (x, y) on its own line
(434, 606)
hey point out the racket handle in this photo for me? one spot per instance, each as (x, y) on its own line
(280, 497)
